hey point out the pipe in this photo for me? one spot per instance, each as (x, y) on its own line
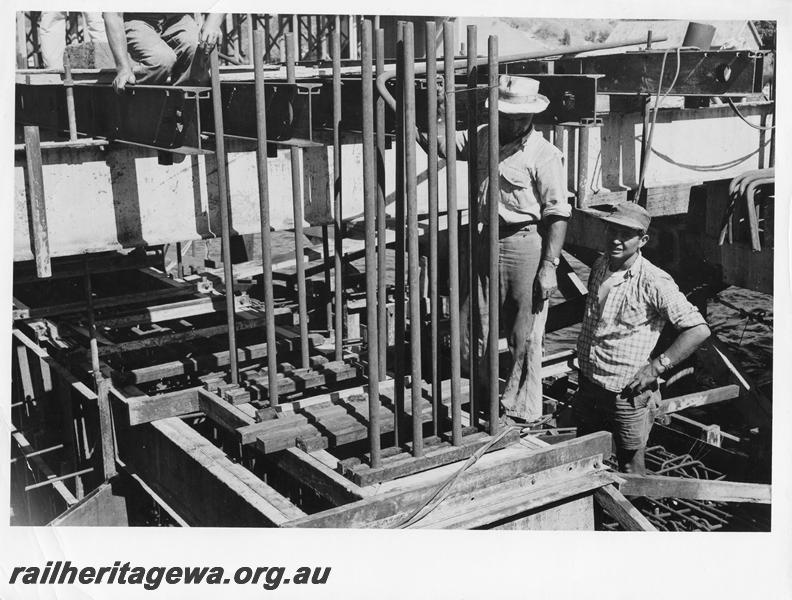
(264, 212)
(338, 195)
(434, 300)
(299, 242)
(382, 292)
(493, 298)
(453, 239)
(583, 171)
(179, 262)
(225, 214)
(750, 206)
(412, 241)
(420, 68)
(68, 82)
(399, 292)
(370, 209)
(473, 218)
(328, 295)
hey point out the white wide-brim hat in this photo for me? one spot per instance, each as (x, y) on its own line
(519, 96)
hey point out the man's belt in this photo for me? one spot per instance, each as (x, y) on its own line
(506, 229)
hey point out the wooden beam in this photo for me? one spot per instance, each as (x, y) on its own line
(167, 312)
(510, 506)
(142, 408)
(323, 480)
(489, 470)
(403, 464)
(206, 362)
(106, 429)
(44, 356)
(198, 480)
(157, 341)
(672, 405)
(68, 266)
(621, 509)
(35, 460)
(659, 486)
(223, 413)
(35, 312)
(38, 209)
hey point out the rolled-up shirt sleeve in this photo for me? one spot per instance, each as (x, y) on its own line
(550, 181)
(672, 304)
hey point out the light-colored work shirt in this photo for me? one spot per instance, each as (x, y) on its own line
(532, 178)
(617, 337)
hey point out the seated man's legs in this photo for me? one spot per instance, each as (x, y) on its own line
(52, 37)
(95, 27)
(182, 34)
(146, 47)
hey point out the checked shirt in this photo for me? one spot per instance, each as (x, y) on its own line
(617, 338)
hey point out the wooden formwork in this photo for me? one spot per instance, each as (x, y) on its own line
(211, 458)
(209, 453)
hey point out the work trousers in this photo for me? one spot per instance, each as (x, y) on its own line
(52, 35)
(166, 51)
(628, 419)
(519, 255)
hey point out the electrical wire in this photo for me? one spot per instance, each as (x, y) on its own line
(658, 101)
(747, 122)
(443, 490)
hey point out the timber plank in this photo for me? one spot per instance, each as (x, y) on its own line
(397, 466)
(489, 470)
(222, 412)
(143, 408)
(621, 509)
(460, 504)
(197, 364)
(318, 476)
(511, 505)
(155, 341)
(726, 392)
(659, 486)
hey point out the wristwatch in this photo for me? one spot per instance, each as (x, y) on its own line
(665, 362)
(553, 261)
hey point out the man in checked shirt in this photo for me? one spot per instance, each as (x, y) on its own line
(629, 302)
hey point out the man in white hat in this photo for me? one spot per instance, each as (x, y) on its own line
(533, 213)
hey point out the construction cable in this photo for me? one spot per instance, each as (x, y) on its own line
(445, 488)
(658, 101)
(747, 122)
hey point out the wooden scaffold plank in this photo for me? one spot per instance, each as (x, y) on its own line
(621, 509)
(688, 488)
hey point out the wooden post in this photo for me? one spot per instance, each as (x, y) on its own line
(582, 190)
(102, 389)
(21, 55)
(38, 210)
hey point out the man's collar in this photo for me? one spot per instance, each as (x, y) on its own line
(634, 268)
(631, 271)
(520, 141)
